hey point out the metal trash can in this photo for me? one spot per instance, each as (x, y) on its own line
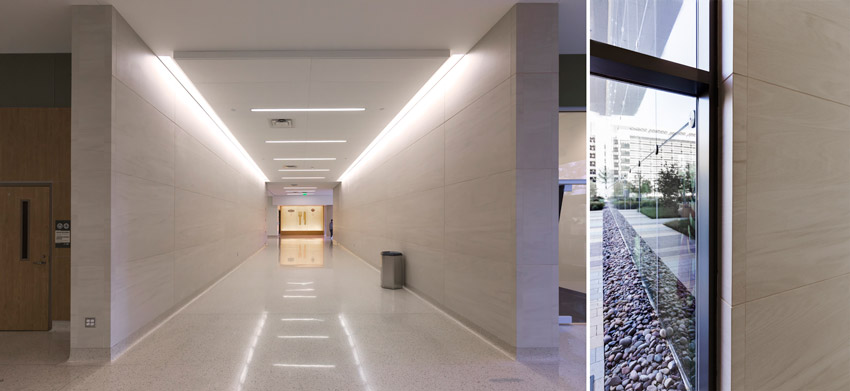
(392, 270)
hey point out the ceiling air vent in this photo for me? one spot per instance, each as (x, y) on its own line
(290, 166)
(282, 123)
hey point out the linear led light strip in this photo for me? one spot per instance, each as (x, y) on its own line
(304, 141)
(435, 78)
(184, 81)
(304, 366)
(304, 170)
(302, 177)
(303, 336)
(313, 109)
(303, 158)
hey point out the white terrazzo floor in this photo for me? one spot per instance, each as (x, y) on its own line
(324, 324)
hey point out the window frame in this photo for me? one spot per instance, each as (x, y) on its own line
(616, 63)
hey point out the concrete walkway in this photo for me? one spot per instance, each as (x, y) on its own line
(676, 250)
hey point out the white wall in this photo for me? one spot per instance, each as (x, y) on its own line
(151, 165)
(785, 262)
(572, 227)
(466, 187)
(272, 218)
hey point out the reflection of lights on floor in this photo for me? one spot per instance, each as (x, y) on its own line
(303, 336)
(302, 320)
(300, 283)
(301, 290)
(354, 352)
(304, 366)
(257, 331)
(298, 297)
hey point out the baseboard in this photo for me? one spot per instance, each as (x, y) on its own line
(61, 326)
(514, 353)
(137, 336)
(538, 355)
(85, 356)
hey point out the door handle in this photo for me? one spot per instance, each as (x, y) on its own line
(42, 262)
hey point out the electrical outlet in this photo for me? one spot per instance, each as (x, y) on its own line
(90, 322)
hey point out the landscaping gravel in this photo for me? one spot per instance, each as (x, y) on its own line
(636, 353)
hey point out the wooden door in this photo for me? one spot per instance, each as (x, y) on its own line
(25, 258)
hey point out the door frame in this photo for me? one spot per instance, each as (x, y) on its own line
(49, 186)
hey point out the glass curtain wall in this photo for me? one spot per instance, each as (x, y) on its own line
(649, 193)
(646, 169)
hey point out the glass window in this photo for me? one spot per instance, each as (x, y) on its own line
(661, 28)
(652, 209)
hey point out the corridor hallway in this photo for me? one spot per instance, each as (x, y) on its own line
(302, 314)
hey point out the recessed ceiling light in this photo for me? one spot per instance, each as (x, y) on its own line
(300, 187)
(303, 158)
(303, 336)
(304, 366)
(302, 177)
(314, 109)
(304, 170)
(303, 141)
(302, 320)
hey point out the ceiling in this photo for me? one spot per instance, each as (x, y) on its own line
(41, 26)
(235, 85)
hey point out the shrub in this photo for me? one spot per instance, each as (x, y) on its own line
(597, 205)
(683, 226)
(662, 212)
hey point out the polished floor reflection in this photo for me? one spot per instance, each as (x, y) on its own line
(270, 326)
(305, 251)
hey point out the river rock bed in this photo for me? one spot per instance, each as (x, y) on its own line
(636, 353)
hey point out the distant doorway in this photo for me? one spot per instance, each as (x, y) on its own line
(302, 220)
(25, 257)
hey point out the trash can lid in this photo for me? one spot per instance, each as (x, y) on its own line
(390, 253)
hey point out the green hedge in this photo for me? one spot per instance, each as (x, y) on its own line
(662, 212)
(597, 205)
(633, 204)
(682, 226)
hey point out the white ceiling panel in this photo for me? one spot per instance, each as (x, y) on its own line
(233, 86)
